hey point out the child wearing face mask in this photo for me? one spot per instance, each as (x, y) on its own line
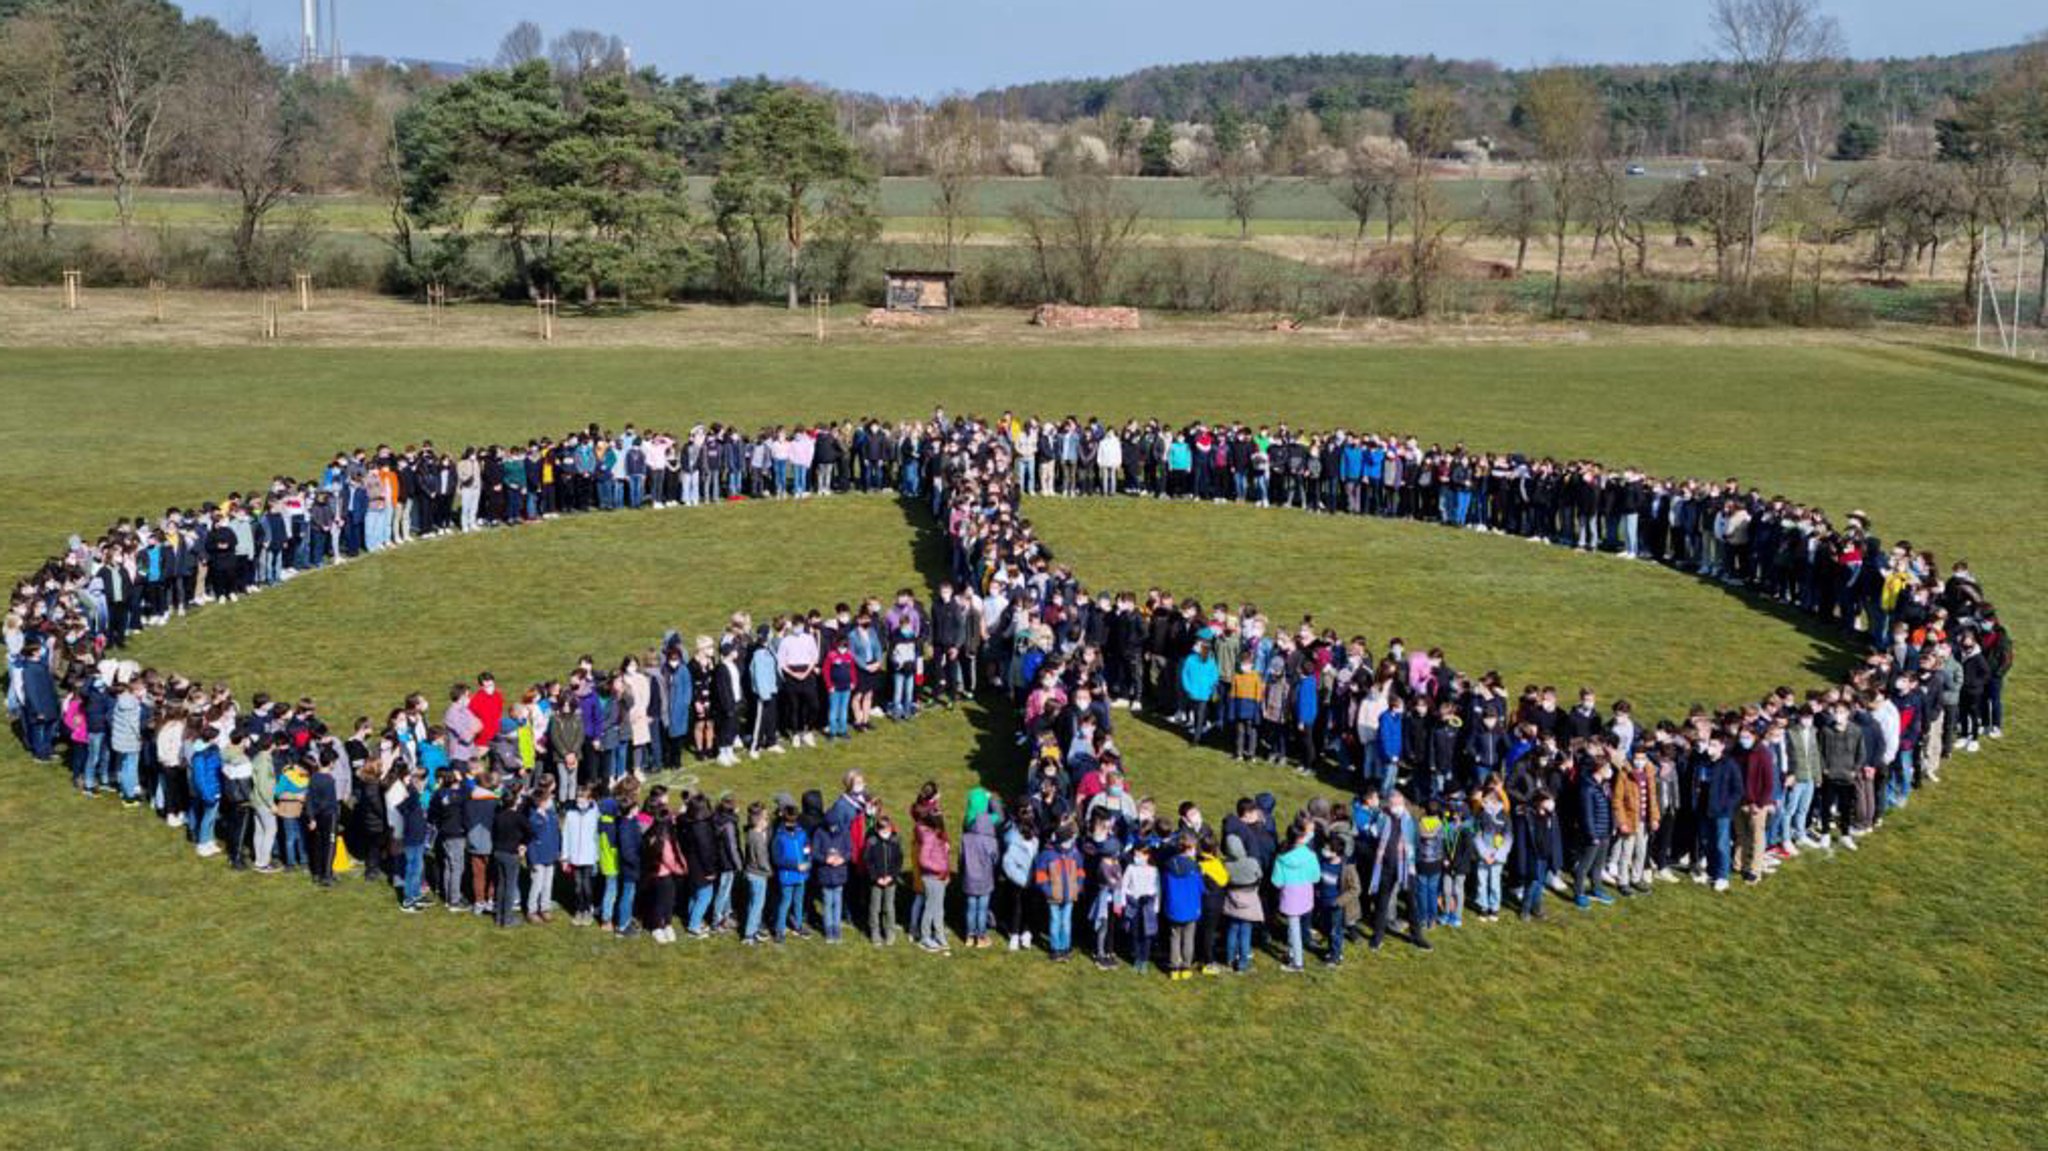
(1493, 840)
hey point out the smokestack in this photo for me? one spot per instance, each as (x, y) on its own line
(309, 33)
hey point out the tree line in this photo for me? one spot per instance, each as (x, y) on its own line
(562, 169)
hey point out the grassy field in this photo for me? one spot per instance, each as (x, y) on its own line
(1898, 995)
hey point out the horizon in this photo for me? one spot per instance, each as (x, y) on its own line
(891, 52)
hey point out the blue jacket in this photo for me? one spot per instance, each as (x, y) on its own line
(679, 685)
(1198, 676)
(1724, 788)
(1180, 890)
(543, 839)
(630, 835)
(831, 837)
(790, 852)
(1596, 810)
(206, 773)
(1390, 735)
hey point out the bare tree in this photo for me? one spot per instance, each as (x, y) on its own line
(1776, 48)
(1517, 216)
(953, 154)
(1428, 126)
(581, 55)
(127, 56)
(1239, 182)
(236, 112)
(35, 93)
(1078, 233)
(1371, 178)
(1565, 120)
(524, 42)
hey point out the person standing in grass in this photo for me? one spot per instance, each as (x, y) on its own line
(663, 866)
(1492, 840)
(205, 782)
(1243, 908)
(934, 852)
(543, 852)
(882, 863)
(1020, 854)
(832, 868)
(1295, 874)
(1057, 875)
(1180, 904)
(414, 830)
(980, 856)
(124, 736)
(322, 817)
(756, 865)
(792, 858)
(580, 837)
(842, 676)
(1540, 843)
(1393, 869)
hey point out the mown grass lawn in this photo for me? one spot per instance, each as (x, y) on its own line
(1900, 995)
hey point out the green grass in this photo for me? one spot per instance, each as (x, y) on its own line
(1898, 995)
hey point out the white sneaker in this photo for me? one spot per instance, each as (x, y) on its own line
(1700, 877)
(778, 749)
(1720, 885)
(1971, 747)
(1997, 733)
(753, 753)
(1849, 841)
(1015, 943)
(1027, 941)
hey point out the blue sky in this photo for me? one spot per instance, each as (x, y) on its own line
(924, 47)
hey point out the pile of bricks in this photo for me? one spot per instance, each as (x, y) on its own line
(884, 318)
(1073, 316)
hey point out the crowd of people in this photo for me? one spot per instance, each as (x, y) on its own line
(1455, 794)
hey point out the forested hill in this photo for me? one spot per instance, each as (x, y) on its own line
(1667, 104)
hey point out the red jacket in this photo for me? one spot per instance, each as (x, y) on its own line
(1759, 776)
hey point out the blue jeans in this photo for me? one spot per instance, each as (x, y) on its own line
(628, 888)
(1059, 927)
(1426, 890)
(294, 842)
(1294, 932)
(1798, 806)
(835, 907)
(615, 760)
(835, 714)
(93, 762)
(977, 916)
(1723, 830)
(415, 870)
(130, 763)
(700, 905)
(1237, 944)
(636, 489)
(789, 909)
(757, 903)
(1489, 887)
(721, 899)
(903, 704)
(1532, 895)
(1337, 928)
(1898, 781)
(203, 814)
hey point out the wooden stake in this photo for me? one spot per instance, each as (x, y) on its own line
(821, 303)
(546, 308)
(156, 300)
(73, 279)
(437, 299)
(305, 283)
(269, 316)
